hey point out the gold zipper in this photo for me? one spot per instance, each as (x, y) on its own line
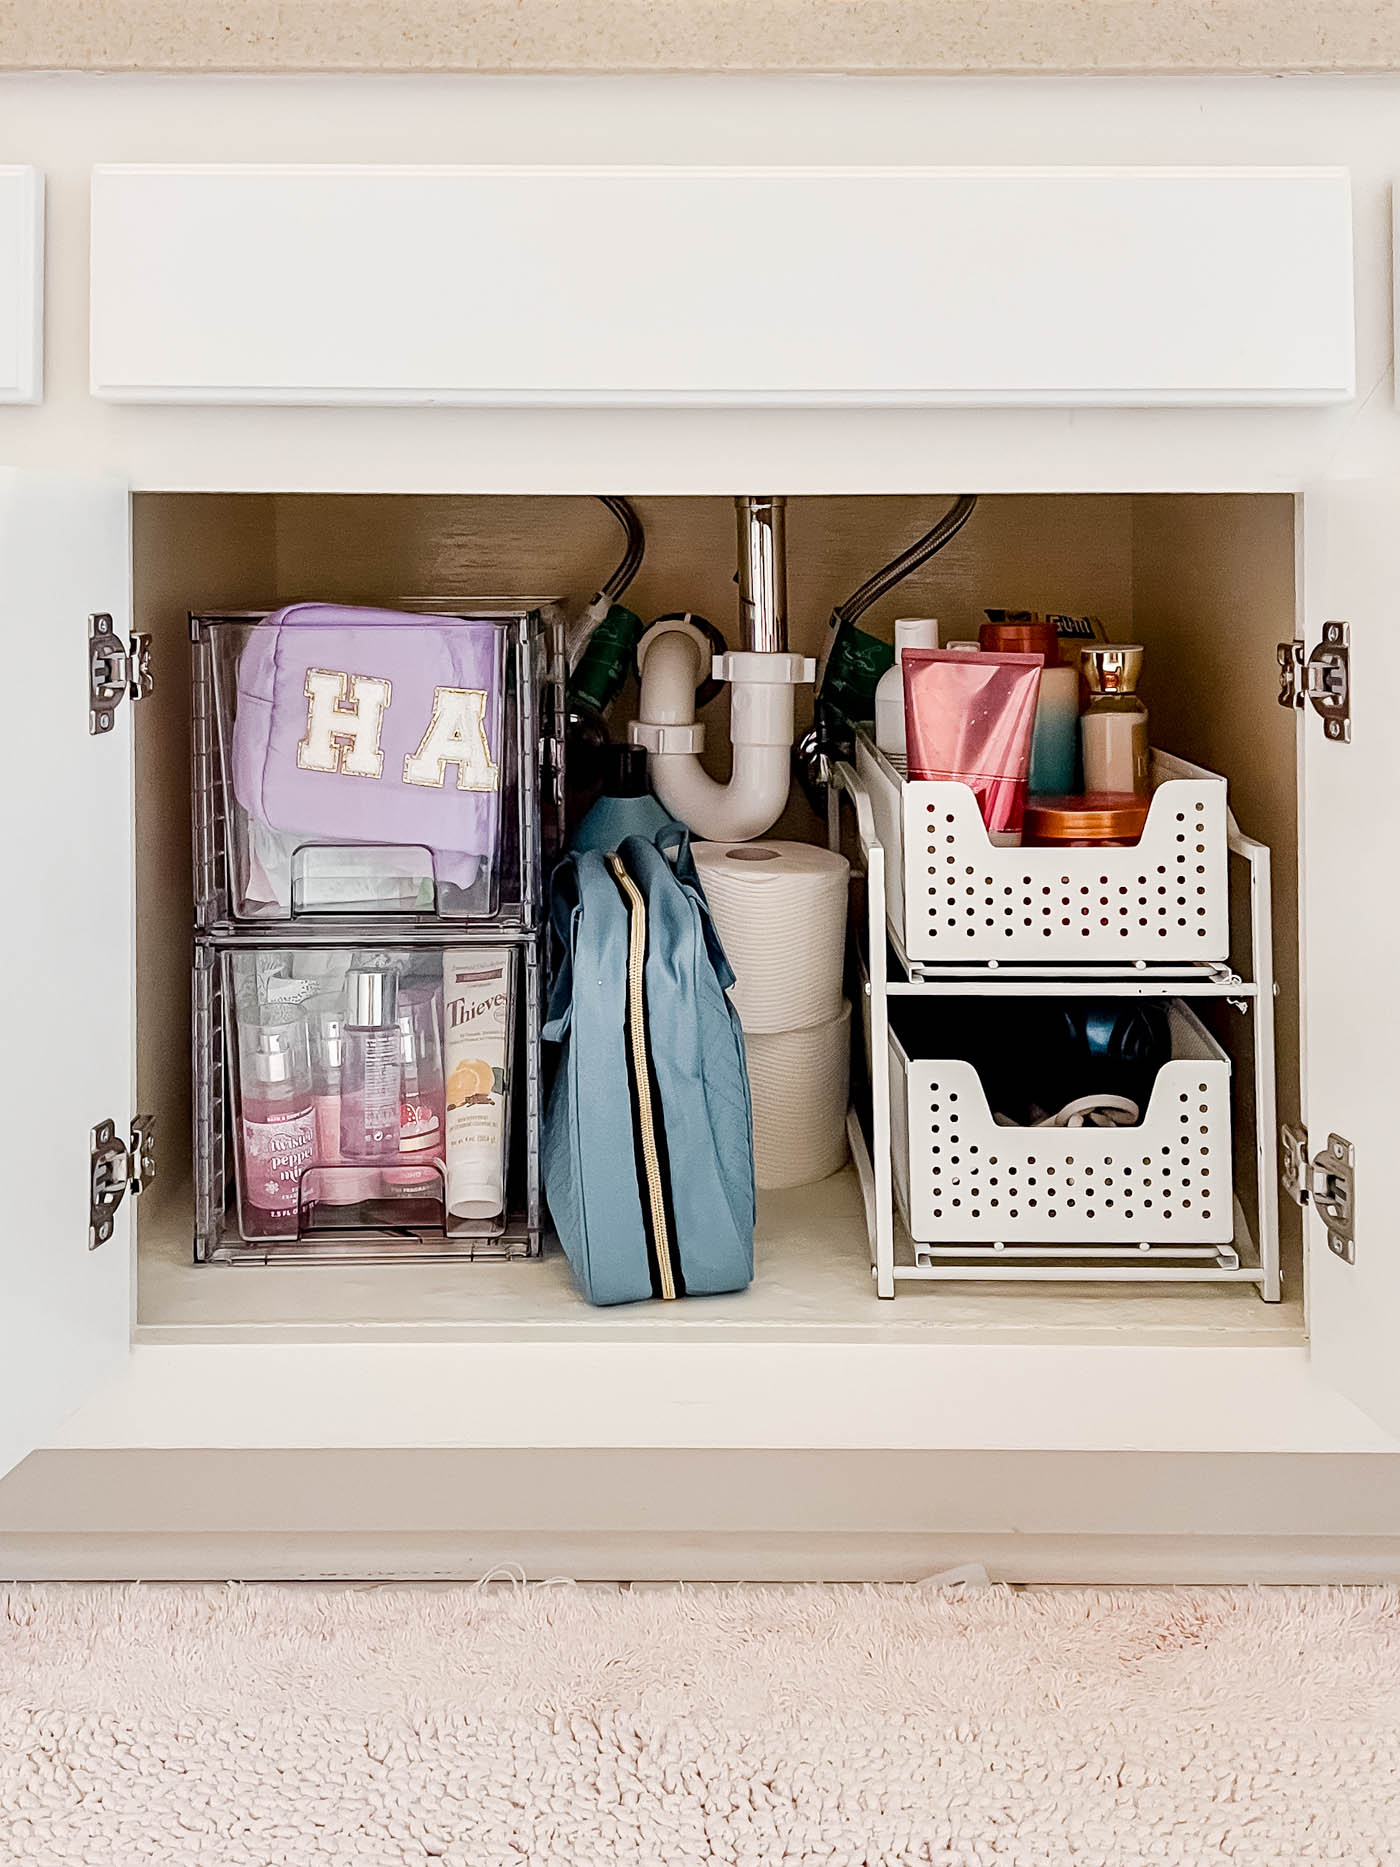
(637, 1044)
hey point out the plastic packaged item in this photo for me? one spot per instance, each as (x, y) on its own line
(371, 1107)
(909, 632)
(1112, 818)
(1113, 730)
(478, 1002)
(277, 1124)
(626, 806)
(969, 719)
(853, 665)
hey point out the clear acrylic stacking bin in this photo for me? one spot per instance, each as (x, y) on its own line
(419, 784)
(372, 1099)
(954, 896)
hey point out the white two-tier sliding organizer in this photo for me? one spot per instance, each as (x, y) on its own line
(950, 1194)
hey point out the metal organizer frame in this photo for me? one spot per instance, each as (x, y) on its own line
(538, 756)
(886, 973)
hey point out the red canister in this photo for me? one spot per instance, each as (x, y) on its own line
(1019, 632)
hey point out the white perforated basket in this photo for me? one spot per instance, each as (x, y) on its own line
(959, 1178)
(952, 895)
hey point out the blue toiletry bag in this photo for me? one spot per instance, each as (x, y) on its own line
(648, 1137)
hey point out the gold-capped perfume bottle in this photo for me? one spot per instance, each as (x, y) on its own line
(1113, 730)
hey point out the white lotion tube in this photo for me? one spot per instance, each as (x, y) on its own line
(478, 996)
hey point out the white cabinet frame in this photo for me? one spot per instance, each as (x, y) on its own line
(21, 285)
(801, 287)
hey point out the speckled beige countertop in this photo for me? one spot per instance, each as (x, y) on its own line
(702, 35)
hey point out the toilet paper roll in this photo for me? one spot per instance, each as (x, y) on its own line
(780, 909)
(800, 1081)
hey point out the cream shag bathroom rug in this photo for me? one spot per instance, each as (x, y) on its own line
(287, 1726)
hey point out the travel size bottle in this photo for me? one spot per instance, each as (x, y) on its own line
(421, 1112)
(278, 1120)
(909, 632)
(334, 1183)
(371, 1106)
(1113, 730)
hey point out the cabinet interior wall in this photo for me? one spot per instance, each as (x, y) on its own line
(1205, 582)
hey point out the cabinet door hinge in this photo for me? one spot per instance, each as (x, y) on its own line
(1322, 678)
(1327, 1183)
(116, 669)
(118, 1167)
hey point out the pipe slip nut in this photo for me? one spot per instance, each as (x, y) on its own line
(768, 670)
(673, 626)
(664, 739)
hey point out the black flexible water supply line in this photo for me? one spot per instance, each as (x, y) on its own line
(626, 515)
(885, 579)
(845, 685)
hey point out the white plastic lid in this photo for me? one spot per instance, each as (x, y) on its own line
(915, 632)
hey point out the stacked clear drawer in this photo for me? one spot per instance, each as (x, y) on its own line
(375, 797)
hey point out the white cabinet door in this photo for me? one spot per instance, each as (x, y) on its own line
(21, 284)
(1350, 808)
(66, 951)
(815, 286)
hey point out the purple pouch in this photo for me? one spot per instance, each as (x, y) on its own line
(373, 726)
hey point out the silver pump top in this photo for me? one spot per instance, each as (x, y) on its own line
(371, 997)
(330, 1039)
(274, 1053)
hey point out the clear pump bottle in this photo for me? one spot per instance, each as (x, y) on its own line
(371, 1104)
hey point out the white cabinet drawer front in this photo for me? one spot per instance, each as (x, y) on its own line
(621, 286)
(21, 284)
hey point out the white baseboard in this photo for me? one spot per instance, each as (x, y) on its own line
(701, 1516)
(871, 1556)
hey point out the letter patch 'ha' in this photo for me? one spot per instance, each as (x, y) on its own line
(456, 735)
(344, 719)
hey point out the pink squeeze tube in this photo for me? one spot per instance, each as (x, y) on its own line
(969, 718)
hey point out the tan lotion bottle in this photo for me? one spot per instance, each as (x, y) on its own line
(477, 1002)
